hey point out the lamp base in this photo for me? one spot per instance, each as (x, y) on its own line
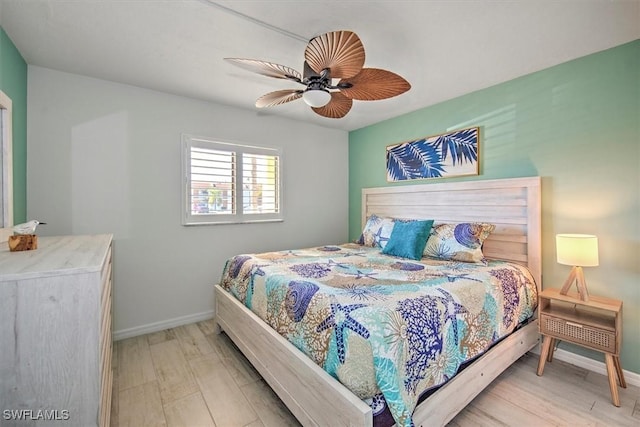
(576, 276)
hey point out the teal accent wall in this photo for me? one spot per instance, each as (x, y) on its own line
(577, 125)
(13, 82)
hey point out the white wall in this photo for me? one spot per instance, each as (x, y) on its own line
(106, 158)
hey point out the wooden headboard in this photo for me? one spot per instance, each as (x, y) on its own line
(512, 204)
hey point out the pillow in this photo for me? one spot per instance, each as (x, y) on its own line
(458, 242)
(376, 231)
(408, 239)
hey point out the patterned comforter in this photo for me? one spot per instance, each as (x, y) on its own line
(388, 328)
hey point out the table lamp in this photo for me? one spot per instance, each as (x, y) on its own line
(577, 250)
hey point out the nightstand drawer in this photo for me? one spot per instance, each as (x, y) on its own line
(589, 336)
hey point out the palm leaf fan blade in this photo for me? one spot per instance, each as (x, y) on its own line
(278, 97)
(337, 108)
(265, 68)
(373, 84)
(341, 52)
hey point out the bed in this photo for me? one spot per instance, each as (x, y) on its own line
(316, 397)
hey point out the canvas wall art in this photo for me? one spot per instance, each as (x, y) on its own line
(440, 156)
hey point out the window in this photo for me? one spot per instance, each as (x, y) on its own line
(230, 183)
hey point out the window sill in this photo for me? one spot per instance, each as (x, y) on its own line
(246, 221)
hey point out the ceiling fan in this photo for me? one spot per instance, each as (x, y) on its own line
(334, 55)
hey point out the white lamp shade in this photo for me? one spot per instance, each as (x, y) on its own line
(316, 97)
(580, 250)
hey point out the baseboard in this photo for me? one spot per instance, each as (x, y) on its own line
(589, 364)
(161, 326)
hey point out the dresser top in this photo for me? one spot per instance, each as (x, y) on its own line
(55, 256)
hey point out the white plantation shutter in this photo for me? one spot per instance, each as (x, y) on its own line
(212, 182)
(230, 183)
(260, 183)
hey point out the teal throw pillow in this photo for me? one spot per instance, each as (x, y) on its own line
(408, 239)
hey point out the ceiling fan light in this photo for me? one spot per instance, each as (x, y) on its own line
(316, 97)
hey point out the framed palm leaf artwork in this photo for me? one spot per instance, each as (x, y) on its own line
(439, 156)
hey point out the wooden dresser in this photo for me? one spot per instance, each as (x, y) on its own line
(55, 332)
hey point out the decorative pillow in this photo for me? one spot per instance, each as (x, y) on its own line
(458, 242)
(376, 231)
(408, 239)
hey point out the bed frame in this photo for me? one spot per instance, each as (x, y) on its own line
(316, 398)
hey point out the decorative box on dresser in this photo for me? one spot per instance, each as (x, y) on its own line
(55, 332)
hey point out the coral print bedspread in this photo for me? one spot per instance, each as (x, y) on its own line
(388, 328)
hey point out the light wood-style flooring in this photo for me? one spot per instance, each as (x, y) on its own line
(190, 377)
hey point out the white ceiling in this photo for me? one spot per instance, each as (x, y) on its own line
(444, 48)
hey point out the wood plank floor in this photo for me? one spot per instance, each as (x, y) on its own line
(190, 377)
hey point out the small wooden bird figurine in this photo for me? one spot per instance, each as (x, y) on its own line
(27, 227)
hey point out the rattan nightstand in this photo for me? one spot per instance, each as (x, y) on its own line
(595, 324)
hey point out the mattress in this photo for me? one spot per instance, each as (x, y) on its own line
(390, 329)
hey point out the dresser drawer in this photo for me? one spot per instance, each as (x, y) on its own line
(585, 335)
(106, 340)
(105, 309)
(105, 399)
(105, 279)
